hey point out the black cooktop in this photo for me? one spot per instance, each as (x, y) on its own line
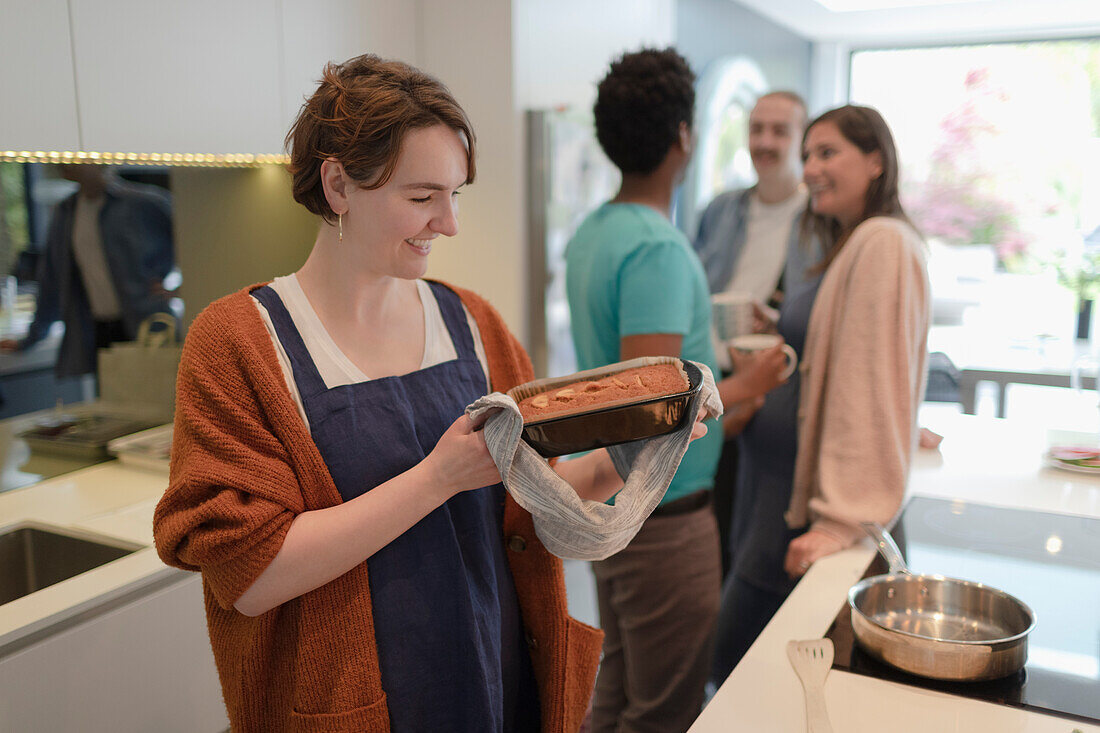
(1049, 561)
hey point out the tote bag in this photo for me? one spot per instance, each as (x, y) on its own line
(142, 373)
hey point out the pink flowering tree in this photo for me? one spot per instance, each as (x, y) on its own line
(960, 201)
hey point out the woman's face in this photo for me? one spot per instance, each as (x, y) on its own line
(397, 224)
(837, 174)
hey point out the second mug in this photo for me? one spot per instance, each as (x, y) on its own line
(751, 342)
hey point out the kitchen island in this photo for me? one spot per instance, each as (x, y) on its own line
(981, 461)
(121, 647)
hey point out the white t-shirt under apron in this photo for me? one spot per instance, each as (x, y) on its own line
(335, 368)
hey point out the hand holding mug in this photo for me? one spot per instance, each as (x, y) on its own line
(732, 314)
(764, 318)
(763, 360)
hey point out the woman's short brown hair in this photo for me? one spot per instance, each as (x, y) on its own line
(359, 116)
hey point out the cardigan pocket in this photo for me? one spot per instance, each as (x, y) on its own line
(582, 657)
(373, 717)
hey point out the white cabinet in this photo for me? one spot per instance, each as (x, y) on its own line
(142, 666)
(37, 92)
(201, 76)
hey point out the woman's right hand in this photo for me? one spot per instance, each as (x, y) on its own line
(460, 460)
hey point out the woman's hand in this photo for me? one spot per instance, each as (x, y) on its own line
(460, 460)
(807, 549)
(926, 439)
(761, 371)
(323, 544)
(698, 430)
(764, 319)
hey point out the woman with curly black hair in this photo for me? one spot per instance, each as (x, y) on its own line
(636, 288)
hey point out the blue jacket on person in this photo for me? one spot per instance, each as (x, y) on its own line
(135, 225)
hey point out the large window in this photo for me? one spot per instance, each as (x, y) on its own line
(1000, 152)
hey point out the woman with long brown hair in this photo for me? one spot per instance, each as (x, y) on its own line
(831, 448)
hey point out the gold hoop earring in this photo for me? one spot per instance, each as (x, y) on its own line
(340, 222)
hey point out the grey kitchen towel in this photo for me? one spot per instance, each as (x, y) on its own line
(571, 527)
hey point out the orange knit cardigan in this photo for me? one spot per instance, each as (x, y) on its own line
(243, 467)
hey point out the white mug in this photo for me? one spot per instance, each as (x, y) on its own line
(731, 313)
(758, 341)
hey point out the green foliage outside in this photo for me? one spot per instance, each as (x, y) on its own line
(13, 215)
(1080, 274)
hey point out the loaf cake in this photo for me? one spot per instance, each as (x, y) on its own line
(655, 380)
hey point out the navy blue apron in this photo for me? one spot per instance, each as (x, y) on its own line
(446, 617)
(768, 447)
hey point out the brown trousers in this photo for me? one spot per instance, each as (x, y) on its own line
(658, 601)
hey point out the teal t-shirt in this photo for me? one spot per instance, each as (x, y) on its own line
(629, 271)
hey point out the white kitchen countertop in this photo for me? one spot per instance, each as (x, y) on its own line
(982, 460)
(109, 499)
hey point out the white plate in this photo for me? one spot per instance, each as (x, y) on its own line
(1056, 463)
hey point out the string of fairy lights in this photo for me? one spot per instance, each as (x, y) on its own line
(211, 160)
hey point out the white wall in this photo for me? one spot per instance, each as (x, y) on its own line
(469, 47)
(714, 30)
(563, 47)
(829, 76)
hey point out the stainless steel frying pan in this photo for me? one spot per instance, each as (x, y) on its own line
(938, 627)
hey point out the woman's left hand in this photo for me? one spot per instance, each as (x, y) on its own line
(807, 549)
(698, 430)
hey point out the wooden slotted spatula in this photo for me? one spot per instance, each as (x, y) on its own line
(812, 661)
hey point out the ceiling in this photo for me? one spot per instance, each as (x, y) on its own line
(925, 23)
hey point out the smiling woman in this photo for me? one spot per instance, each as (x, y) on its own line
(346, 515)
(838, 174)
(832, 447)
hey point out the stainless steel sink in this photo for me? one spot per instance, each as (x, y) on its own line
(34, 556)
